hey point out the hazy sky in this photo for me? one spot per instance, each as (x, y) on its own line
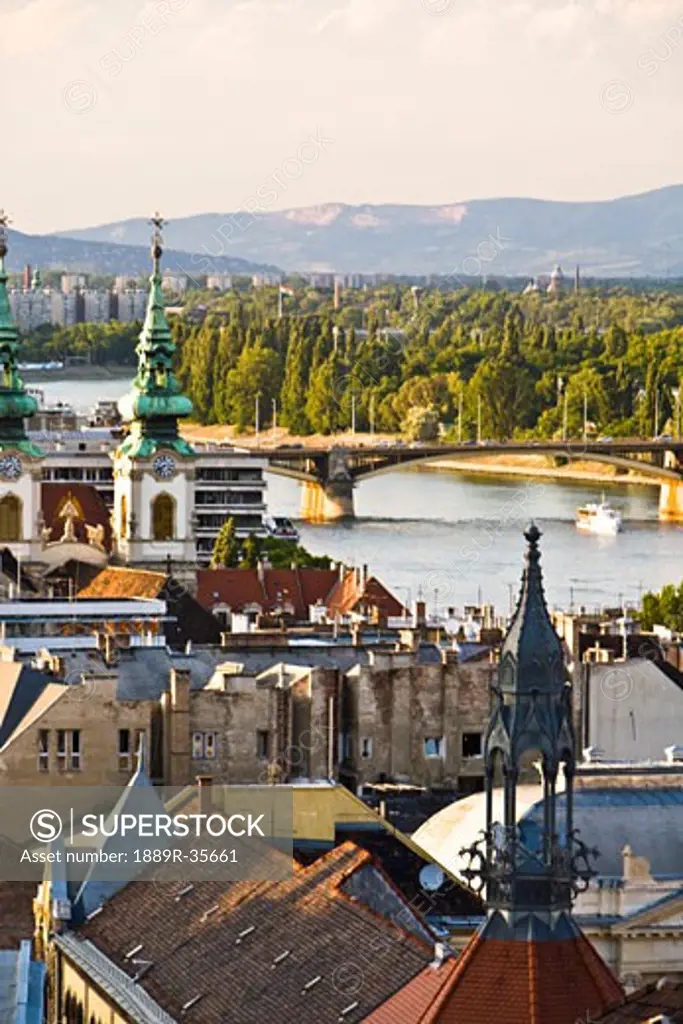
(111, 109)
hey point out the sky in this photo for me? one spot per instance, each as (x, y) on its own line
(112, 110)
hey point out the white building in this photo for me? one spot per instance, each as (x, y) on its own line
(219, 282)
(150, 499)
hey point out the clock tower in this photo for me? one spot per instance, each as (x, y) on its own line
(21, 462)
(154, 468)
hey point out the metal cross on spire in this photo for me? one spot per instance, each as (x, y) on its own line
(4, 221)
(158, 223)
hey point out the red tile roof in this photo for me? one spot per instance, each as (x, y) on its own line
(354, 594)
(249, 950)
(270, 590)
(497, 981)
(87, 500)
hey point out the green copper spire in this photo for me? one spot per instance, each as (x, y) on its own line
(15, 404)
(156, 403)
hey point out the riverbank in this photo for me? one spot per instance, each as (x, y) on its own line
(542, 466)
(576, 471)
(80, 372)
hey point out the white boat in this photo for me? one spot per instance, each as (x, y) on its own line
(599, 517)
(281, 528)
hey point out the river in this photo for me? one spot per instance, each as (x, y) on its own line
(457, 537)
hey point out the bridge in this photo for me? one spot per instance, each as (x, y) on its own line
(330, 474)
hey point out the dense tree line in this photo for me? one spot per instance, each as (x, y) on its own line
(511, 365)
(99, 344)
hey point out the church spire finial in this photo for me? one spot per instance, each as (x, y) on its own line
(158, 223)
(4, 221)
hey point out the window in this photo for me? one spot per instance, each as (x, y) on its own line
(263, 744)
(434, 746)
(204, 746)
(43, 750)
(163, 517)
(75, 763)
(124, 750)
(123, 528)
(10, 518)
(69, 749)
(61, 748)
(366, 747)
(471, 744)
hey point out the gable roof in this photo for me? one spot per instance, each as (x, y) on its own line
(270, 589)
(89, 503)
(24, 694)
(355, 590)
(309, 947)
(503, 978)
(120, 582)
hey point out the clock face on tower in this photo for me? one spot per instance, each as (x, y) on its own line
(10, 467)
(164, 466)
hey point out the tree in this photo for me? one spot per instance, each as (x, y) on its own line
(225, 549)
(421, 424)
(251, 552)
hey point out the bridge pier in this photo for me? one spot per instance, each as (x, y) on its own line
(671, 501)
(325, 503)
(671, 492)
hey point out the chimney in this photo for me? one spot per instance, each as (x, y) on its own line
(177, 731)
(204, 786)
(420, 614)
(365, 575)
(342, 572)
(109, 649)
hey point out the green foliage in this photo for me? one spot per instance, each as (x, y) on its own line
(421, 424)
(664, 608)
(525, 362)
(97, 343)
(225, 552)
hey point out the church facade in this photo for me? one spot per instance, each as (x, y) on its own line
(154, 497)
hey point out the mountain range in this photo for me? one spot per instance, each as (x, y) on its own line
(635, 235)
(104, 257)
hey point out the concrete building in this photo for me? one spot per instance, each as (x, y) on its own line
(219, 282)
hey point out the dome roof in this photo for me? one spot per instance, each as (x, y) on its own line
(610, 813)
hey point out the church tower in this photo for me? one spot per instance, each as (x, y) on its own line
(154, 468)
(529, 961)
(21, 461)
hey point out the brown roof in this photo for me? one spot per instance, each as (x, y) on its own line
(496, 981)
(353, 593)
(261, 944)
(270, 589)
(132, 583)
(665, 997)
(88, 501)
(16, 912)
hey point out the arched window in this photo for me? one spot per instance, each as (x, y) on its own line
(10, 518)
(124, 517)
(163, 517)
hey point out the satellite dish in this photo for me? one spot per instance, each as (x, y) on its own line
(431, 877)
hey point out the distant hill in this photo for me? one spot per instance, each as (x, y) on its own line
(632, 236)
(104, 257)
